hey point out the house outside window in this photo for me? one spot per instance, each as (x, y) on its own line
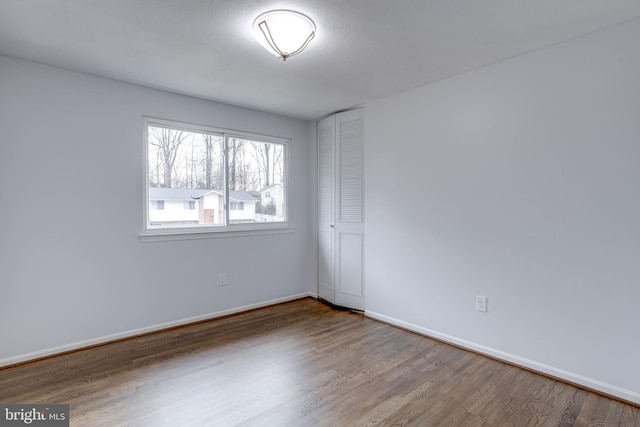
(211, 180)
(273, 200)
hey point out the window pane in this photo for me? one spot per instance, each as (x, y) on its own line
(256, 169)
(203, 177)
(186, 172)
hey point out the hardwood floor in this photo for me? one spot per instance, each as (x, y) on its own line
(300, 364)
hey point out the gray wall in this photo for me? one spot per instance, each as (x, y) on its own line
(520, 182)
(72, 270)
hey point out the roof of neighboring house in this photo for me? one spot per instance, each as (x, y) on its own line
(241, 196)
(175, 193)
(272, 185)
(190, 194)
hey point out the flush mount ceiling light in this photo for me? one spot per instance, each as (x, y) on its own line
(284, 33)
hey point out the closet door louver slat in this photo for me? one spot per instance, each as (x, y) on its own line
(350, 171)
(325, 174)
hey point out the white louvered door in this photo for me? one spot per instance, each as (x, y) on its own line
(326, 162)
(349, 212)
(341, 214)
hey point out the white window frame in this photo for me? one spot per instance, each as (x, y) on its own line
(229, 229)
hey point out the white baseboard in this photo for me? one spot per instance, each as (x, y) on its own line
(131, 333)
(621, 393)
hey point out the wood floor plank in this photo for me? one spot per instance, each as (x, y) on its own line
(300, 364)
(549, 413)
(629, 418)
(606, 413)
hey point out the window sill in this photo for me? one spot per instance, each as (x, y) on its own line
(167, 235)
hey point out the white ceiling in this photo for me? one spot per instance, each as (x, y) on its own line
(363, 50)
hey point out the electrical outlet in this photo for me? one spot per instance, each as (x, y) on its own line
(481, 304)
(222, 281)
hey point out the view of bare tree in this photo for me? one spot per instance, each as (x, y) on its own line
(181, 159)
(168, 143)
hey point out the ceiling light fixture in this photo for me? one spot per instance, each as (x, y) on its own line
(284, 33)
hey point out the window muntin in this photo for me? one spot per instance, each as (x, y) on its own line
(215, 179)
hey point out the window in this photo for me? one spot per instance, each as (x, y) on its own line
(212, 179)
